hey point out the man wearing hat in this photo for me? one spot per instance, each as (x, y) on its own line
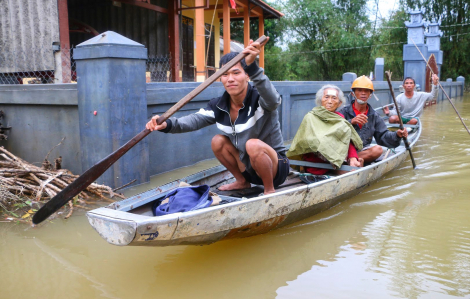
(368, 122)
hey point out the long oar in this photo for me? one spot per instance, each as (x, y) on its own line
(463, 123)
(99, 168)
(407, 144)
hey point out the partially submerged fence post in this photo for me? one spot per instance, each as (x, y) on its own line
(462, 87)
(112, 105)
(379, 69)
(349, 77)
(449, 80)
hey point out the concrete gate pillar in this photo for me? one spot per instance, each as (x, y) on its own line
(433, 41)
(415, 66)
(112, 105)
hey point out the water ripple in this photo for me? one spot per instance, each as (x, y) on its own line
(383, 200)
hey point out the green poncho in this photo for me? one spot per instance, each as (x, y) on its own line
(327, 133)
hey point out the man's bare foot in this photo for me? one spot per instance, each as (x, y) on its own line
(235, 185)
(361, 161)
(268, 192)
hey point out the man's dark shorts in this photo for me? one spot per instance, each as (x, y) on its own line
(281, 175)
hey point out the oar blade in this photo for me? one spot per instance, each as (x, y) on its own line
(64, 196)
(85, 180)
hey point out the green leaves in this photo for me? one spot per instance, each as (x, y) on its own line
(322, 39)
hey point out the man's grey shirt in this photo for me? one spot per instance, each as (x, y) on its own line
(413, 107)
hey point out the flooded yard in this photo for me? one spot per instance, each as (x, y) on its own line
(406, 236)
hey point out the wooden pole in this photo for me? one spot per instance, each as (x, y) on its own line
(226, 24)
(261, 33)
(64, 41)
(200, 42)
(246, 25)
(174, 34)
(407, 144)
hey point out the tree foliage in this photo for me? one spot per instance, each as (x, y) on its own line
(322, 39)
(456, 39)
(392, 34)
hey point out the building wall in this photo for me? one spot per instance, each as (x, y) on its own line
(27, 30)
(144, 26)
(41, 115)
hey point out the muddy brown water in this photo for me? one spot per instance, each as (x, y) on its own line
(406, 236)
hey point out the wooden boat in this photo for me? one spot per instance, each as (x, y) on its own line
(243, 212)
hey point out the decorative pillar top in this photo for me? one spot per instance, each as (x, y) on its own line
(433, 29)
(416, 26)
(110, 45)
(433, 37)
(417, 19)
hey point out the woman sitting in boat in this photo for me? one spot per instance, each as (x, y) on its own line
(324, 136)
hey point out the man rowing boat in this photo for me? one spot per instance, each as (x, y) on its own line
(250, 145)
(411, 103)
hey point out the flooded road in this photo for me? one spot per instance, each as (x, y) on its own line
(406, 236)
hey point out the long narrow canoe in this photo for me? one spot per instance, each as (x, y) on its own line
(242, 213)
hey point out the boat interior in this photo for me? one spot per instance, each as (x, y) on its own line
(217, 176)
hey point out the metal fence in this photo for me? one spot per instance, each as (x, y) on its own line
(158, 69)
(24, 69)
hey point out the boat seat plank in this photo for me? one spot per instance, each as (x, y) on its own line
(405, 125)
(321, 165)
(248, 193)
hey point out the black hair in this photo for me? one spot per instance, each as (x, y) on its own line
(410, 79)
(229, 56)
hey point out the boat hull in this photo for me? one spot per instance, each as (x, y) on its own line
(238, 219)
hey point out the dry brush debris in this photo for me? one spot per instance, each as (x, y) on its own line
(24, 185)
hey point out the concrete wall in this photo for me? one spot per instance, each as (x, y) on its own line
(41, 115)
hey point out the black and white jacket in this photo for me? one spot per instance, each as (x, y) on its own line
(258, 118)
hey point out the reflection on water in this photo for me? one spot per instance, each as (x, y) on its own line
(406, 236)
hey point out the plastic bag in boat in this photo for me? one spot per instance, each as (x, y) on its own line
(184, 199)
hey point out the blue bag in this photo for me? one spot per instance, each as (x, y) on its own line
(184, 199)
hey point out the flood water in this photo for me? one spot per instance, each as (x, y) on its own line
(406, 236)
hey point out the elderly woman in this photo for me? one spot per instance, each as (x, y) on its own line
(324, 136)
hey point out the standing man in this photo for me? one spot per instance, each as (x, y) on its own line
(250, 144)
(368, 122)
(411, 103)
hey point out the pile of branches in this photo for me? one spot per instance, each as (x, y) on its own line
(20, 179)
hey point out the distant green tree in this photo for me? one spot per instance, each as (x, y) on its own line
(272, 28)
(318, 28)
(275, 67)
(392, 32)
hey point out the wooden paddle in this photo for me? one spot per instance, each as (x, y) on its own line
(99, 168)
(407, 144)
